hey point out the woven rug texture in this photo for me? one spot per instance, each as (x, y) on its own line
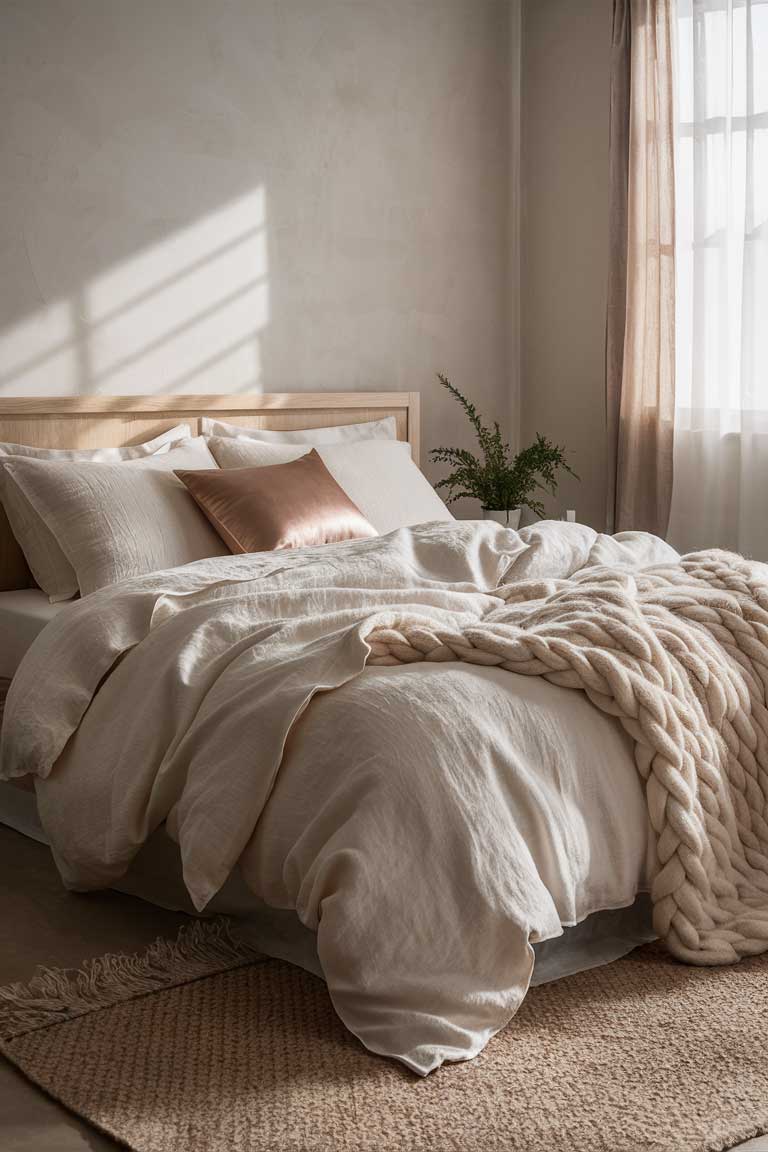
(642, 1054)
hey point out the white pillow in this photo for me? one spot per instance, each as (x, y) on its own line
(385, 429)
(377, 475)
(47, 563)
(113, 521)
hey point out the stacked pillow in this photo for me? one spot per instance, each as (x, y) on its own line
(357, 480)
(385, 429)
(36, 546)
(85, 519)
(378, 476)
(112, 521)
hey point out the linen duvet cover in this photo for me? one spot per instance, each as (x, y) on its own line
(428, 818)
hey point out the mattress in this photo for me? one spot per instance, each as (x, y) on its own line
(23, 615)
(156, 876)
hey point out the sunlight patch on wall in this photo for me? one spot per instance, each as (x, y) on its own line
(184, 314)
(39, 355)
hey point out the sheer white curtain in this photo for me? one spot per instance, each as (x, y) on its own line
(720, 492)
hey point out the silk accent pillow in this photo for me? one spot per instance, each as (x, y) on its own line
(385, 429)
(113, 521)
(292, 505)
(378, 476)
(36, 543)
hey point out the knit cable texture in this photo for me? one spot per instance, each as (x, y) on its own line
(679, 654)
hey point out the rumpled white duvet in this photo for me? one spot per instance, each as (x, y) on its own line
(428, 822)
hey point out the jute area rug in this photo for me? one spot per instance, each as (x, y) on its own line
(200, 1047)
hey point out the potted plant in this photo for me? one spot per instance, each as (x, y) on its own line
(502, 482)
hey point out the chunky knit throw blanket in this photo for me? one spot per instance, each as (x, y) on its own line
(680, 655)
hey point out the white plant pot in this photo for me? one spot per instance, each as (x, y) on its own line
(508, 517)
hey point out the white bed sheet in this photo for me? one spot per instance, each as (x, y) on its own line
(23, 615)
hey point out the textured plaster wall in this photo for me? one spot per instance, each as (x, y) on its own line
(564, 238)
(255, 195)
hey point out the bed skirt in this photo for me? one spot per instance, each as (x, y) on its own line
(155, 876)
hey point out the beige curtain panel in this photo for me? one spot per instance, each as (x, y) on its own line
(640, 336)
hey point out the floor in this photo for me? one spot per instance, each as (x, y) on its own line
(50, 926)
(46, 925)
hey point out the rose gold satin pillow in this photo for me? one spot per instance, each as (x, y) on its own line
(295, 505)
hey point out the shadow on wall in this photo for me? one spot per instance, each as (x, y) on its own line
(133, 210)
(188, 311)
(256, 195)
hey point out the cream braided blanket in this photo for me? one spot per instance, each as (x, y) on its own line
(680, 655)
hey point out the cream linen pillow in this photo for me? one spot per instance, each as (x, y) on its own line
(385, 429)
(47, 563)
(378, 476)
(113, 521)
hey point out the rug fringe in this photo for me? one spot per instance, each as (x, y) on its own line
(57, 994)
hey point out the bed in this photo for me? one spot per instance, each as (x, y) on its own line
(427, 830)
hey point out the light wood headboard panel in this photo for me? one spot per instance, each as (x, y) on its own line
(114, 421)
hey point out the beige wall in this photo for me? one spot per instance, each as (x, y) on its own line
(202, 196)
(566, 45)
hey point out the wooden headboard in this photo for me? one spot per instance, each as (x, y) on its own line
(115, 421)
